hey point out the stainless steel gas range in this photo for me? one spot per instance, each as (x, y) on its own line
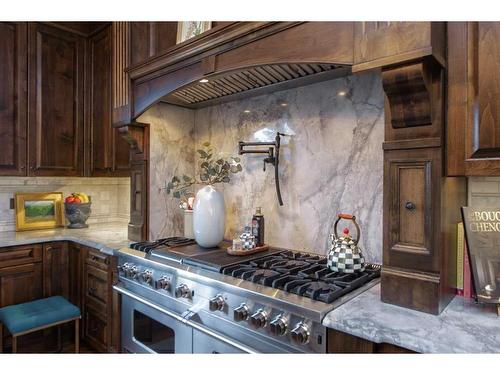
(179, 298)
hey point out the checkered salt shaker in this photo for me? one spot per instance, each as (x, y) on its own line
(247, 239)
(345, 256)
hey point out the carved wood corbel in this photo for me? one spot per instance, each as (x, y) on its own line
(409, 94)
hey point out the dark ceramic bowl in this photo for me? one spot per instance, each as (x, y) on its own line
(77, 214)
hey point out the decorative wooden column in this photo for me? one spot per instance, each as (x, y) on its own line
(421, 205)
(136, 134)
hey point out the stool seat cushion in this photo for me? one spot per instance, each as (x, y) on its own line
(42, 312)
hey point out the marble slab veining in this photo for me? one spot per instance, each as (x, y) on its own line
(105, 237)
(332, 162)
(463, 327)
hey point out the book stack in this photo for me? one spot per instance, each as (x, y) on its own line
(464, 285)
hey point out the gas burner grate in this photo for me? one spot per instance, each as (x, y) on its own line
(302, 274)
(263, 277)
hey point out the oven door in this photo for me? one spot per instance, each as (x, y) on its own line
(146, 330)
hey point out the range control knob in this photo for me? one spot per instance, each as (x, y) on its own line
(278, 326)
(147, 276)
(300, 334)
(241, 313)
(162, 283)
(182, 291)
(259, 319)
(133, 271)
(216, 303)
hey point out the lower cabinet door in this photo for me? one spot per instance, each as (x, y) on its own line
(203, 343)
(96, 332)
(20, 284)
(411, 203)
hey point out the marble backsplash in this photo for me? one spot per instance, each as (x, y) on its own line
(332, 161)
(110, 196)
(171, 153)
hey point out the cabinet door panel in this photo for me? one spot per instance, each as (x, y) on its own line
(484, 65)
(20, 284)
(13, 256)
(411, 198)
(56, 105)
(95, 330)
(56, 269)
(96, 289)
(101, 142)
(13, 99)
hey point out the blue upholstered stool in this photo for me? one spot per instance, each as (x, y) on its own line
(33, 316)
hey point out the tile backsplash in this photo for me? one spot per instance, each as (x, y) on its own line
(110, 196)
(332, 162)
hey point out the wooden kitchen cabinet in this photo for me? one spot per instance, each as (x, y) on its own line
(379, 44)
(100, 309)
(56, 70)
(109, 153)
(149, 39)
(56, 269)
(473, 138)
(343, 343)
(13, 97)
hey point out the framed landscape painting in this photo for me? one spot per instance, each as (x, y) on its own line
(39, 210)
(188, 29)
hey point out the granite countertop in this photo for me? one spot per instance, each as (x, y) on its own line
(463, 327)
(105, 237)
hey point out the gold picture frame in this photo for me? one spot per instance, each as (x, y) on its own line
(39, 210)
(189, 29)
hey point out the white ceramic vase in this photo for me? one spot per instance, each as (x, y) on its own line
(209, 217)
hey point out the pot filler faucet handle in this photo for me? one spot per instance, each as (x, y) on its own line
(273, 157)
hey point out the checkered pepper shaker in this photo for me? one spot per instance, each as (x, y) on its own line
(345, 256)
(247, 239)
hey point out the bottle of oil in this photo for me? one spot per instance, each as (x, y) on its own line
(258, 227)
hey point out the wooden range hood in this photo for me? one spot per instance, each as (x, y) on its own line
(241, 59)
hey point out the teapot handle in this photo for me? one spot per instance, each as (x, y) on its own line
(347, 217)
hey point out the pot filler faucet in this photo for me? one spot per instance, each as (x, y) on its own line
(273, 157)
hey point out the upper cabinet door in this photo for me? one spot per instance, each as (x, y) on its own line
(473, 131)
(56, 71)
(13, 98)
(101, 140)
(483, 125)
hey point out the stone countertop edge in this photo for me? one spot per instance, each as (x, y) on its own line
(106, 238)
(463, 327)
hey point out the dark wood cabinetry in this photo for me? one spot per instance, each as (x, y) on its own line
(109, 154)
(381, 44)
(83, 275)
(56, 270)
(56, 102)
(421, 205)
(56, 70)
(473, 91)
(13, 97)
(148, 39)
(343, 343)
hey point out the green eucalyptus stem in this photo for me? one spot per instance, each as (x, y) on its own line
(212, 171)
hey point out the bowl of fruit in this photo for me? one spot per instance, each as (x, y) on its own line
(77, 210)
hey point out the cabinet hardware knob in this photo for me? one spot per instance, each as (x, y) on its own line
(410, 206)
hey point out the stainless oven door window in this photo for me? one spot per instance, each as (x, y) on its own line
(145, 330)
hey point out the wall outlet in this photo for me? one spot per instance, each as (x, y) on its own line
(12, 203)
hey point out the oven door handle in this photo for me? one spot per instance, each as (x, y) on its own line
(189, 323)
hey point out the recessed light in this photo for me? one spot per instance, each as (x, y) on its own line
(284, 104)
(204, 80)
(246, 111)
(341, 93)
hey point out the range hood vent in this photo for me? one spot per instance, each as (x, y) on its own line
(251, 82)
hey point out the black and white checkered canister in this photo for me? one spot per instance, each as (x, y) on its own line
(247, 240)
(345, 256)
